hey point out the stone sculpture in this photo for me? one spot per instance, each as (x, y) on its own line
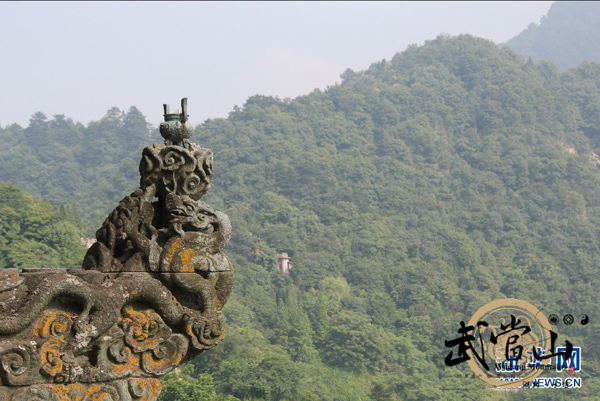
(148, 298)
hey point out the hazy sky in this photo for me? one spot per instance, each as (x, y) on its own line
(81, 58)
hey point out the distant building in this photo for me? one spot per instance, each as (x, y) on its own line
(284, 262)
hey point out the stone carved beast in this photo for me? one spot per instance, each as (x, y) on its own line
(175, 234)
(128, 242)
(149, 296)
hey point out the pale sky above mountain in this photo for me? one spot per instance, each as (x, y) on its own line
(81, 58)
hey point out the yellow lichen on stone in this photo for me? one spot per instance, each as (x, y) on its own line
(53, 324)
(132, 365)
(50, 357)
(187, 257)
(175, 246)
(152, 388)
(218, 305)
(80, 392)
(50, 331)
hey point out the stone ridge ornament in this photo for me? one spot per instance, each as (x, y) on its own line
(176, 129)
(148, 298)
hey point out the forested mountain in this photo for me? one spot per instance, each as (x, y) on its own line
(34, 234)
(64, 162)
(567, 35)
(408, 196)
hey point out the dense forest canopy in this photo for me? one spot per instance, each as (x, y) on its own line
(408, 196)
(68, 163)
(567, 35)
(35, 234)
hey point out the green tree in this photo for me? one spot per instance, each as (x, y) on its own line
(181, 385)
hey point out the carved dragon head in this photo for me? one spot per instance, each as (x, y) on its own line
(188, 215)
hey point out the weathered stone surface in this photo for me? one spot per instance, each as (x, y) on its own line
(118, 390)
(148, 298)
